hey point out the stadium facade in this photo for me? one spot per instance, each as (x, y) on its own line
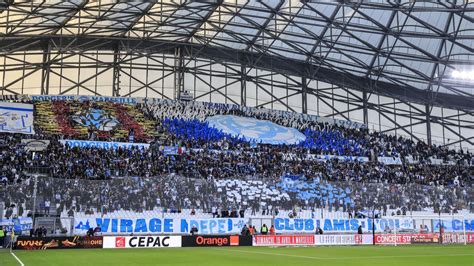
(387, 64)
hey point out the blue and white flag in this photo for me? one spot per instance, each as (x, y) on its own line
(16, 118)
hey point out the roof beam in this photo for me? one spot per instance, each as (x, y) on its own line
(264, 26)
(274, 63)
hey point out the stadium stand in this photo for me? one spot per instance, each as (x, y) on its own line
(191, 165)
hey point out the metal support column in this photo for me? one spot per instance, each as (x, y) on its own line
(35, 190)
(243, 85)
(304, 96)
(178, 72)
(116, 73)
(428, 123)
(46, 66)
(364, 107)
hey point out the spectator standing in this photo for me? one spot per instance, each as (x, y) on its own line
(194, 230)
(272, 230)
(245, 231)
(39, 232)
(90, 232)
(251, 231)
(2, 237)
(47, 206)
(97, 230)
(264, 229)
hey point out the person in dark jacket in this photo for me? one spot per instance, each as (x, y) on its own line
(319, 231)
(194, 230)
(90, 232)
(245, 231)
(39, 232)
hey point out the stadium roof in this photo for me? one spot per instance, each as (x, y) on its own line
(406, 49)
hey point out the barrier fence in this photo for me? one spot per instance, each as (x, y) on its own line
(168, 241)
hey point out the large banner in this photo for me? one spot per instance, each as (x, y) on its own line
(60, 242)
(18, 224)
(142, 241)
(324, 158)
(390, 160)
(289, 225)
(453, 225)
(16, 118)
(103, 144)
(13, 97)
(211, 226)
(81, 98)
(35, 144)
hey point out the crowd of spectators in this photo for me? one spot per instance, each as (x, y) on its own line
(96, 163)
(323, 132)
(142, 179)
(173, 193)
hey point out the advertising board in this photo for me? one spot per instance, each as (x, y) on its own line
(31, 243)
(142, 241)
(458, 238)
(403, 239)
(340, 240)
(426, 240)
(216, 240)
(284, 240)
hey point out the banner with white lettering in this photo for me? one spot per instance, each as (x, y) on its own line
(142, 242)
(289, 225)
(103, 144)
(390, 160)
(283, 240)
(337, 240)
(324, 158)
(453, 225)
(83, 98)
(18, 224)
(16, 118)
(160, 225)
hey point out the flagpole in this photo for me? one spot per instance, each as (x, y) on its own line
(12, 239)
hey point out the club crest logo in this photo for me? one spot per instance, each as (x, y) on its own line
(96, 118)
